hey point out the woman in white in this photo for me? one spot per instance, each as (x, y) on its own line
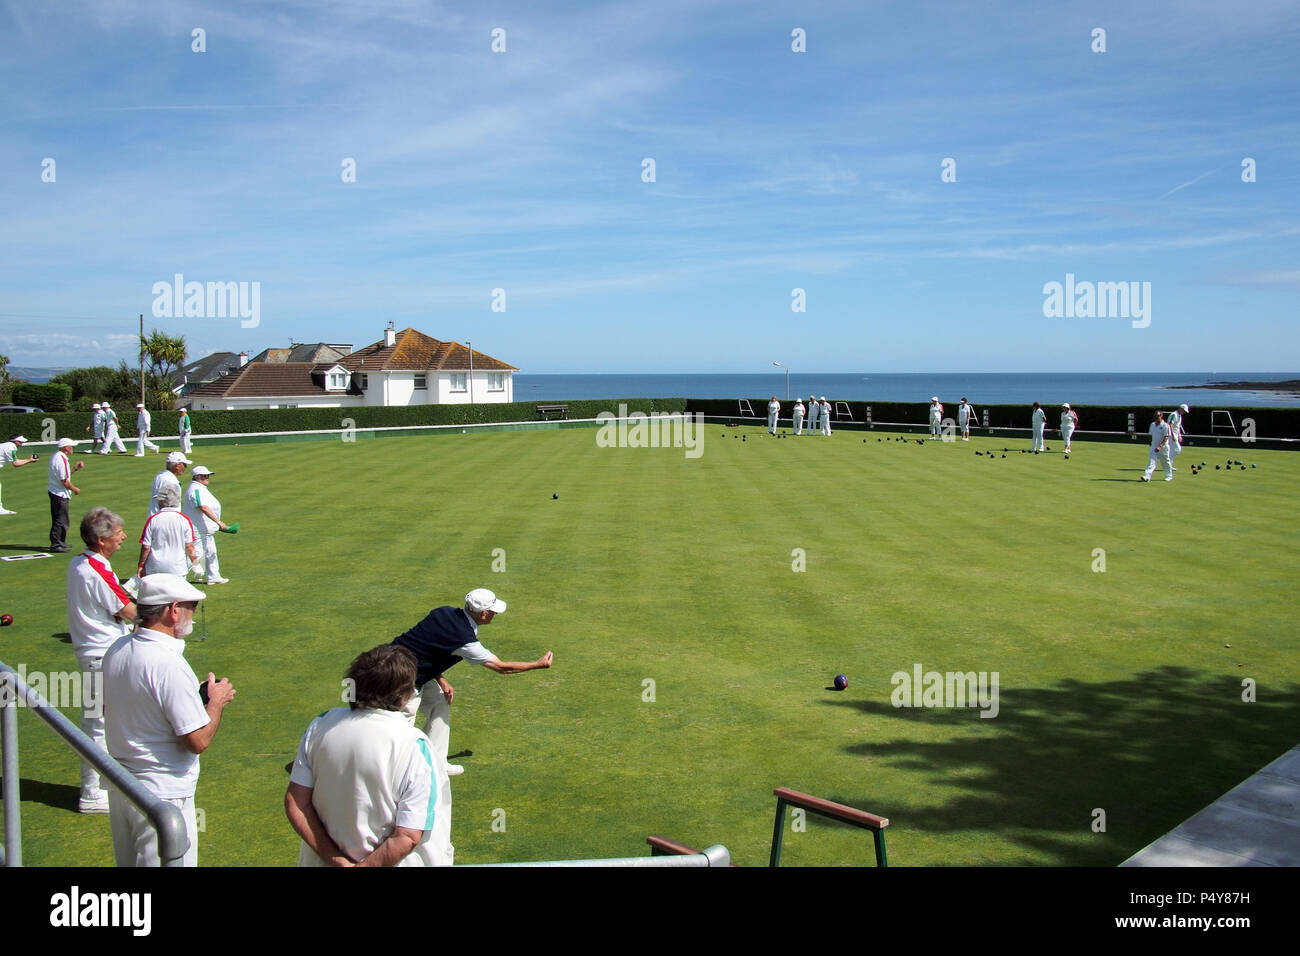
(798, 416)
(1040, 419)
(1068, 420)
(773, 415)
(185, 430)
(936, 417)
(204, 511)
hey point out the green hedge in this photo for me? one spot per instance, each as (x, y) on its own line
(1269, 422)
(53, 397)
(73, 424)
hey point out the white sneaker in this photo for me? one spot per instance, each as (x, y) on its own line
(96, 802)
(1170, 478)
(218, 580)
(6, 511)
(141, 455)
(1144, 478)
(454, 770)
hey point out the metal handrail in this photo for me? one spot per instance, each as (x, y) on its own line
(166, 818)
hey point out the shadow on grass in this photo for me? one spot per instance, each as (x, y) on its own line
(1150, 751)
(39, 548)
(61, 796)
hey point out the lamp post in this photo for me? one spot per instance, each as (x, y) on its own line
(787, 379)
(469, 346)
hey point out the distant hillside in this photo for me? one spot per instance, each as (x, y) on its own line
(37, 376)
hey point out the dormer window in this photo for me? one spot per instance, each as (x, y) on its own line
(336, 379)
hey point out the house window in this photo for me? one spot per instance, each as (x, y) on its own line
(363, 381)
(421, 381)
(337, 381)
(496, 381)
(458, 383)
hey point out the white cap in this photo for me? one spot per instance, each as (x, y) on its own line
(935, 398)
(19, 439)
(1185, 408)
(823, 398)
(96, 405)
(67, 443)
(139, 404)
(200, 470)
(481, 599)
(1065, 404)
(177, 457)
(158, 589)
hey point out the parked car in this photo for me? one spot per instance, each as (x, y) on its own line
(21, 409)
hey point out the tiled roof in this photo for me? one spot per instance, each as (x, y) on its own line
(208, 367)
(416, 352)
(266, 380)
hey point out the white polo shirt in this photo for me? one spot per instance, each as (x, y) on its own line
(1175, 422)
(94, 596)
(60, 471)
(151, 700)
(936, 411)
(143, 422)
(166, 534)
(197, 494)
(369, 771)
(964, 411)
(1159, 432)
(163, 479)
(99, 424)
(8, 452)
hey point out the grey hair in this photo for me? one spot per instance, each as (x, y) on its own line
(98, 523)
(168, 497)
(147, 615)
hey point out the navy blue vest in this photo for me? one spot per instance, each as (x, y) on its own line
(433, 640)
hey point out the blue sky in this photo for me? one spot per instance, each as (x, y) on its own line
(774, 170)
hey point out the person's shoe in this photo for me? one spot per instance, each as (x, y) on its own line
(60, 549)
(454, 770)
(1170, 478)
(97, 802)
(6, 511)
(1144, 478)
(218, 580)
(141, 455)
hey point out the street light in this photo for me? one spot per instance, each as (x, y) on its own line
(787, 379)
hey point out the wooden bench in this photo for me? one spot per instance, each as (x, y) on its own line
(545, 411)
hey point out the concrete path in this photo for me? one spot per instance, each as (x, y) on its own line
(1257, 823)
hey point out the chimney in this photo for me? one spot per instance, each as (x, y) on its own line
(243, 359)
(390, 336)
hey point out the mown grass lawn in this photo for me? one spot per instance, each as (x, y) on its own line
(693, 662)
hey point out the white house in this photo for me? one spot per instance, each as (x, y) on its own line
(403, 368)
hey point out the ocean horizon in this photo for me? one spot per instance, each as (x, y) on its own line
(987, 388)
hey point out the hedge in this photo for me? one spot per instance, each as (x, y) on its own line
(246, 420)
(1269, 422)
(52, 397)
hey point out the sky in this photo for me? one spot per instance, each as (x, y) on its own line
(921, 171)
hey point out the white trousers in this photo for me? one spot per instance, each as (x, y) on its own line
(1038, 437)
(111, 438)
(207, 551)
(432, 704)
(812, 422)
(1174, 450)
(185, 442)
(142, 443)
(826, 423)
(1156, 458)
(135, 843)
(92, 725)
(1067, 432)
(771, 422)
(798, 424)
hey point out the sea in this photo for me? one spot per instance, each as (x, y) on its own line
(989, 388)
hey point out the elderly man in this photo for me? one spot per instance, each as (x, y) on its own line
(826, 417)
(1159, 448)
(9, 456)
(1039, 421)
(364, 788)
(204, 511)
(773, 415)
(156, 719)
(1176, 433)
(185, 429)
(61, 490)
(446, 636)
(965, 412)
(99, 614)
(168, 539)
(112, 435)
(169, 477)
(96, 427)
(143, 425)
(936, 418)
